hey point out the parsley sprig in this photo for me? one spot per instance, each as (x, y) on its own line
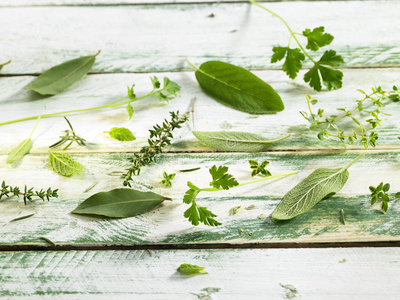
(371, 104)
(27, 193)
(294, 57)
(221, 180)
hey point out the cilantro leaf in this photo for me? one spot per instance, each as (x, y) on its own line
(196, 214)
(221, 179)
(317, 38)
(292, 64)
(156, 83)
(190, 196)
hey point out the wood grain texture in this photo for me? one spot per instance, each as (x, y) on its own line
(232, 274)
(166, 225)
(209, 115)
(152, 38)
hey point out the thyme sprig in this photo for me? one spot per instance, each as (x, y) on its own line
(160, 136)
(69, 136)
(329, 127)
(26, 194)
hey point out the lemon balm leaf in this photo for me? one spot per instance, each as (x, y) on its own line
(64, 164)
(121, 134)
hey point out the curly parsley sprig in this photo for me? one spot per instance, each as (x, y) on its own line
(221, 180)
(322, 69)
(26, 194)
(371, 104)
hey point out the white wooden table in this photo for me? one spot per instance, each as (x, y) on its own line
(108, 258)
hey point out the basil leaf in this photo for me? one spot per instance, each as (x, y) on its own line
(235, 140)
(238, 88)
(119, 203)
(64, 164)
(121, 134)
(18, 152)
(60, 77)
(189, 269)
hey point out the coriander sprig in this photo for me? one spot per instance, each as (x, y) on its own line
(27, 193)
(294, 57)
(380, 193)
(221, 180)
(166, 93)
(371, 104)
(160, 137)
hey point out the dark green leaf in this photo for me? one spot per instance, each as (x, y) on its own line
(238, 88)
(189, 269)
(317, 38)
(121, 134)
(292, 64)
(197, 214)
(330, 58)
(235, 141)
(119, 203)
(60, 77)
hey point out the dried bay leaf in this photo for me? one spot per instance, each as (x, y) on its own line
(119, 203)
(64, 164)
(60, 77)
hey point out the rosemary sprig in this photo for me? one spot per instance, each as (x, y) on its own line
(26, 194)
(160, 136)
(69, 136)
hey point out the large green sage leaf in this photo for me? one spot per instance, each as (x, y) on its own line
(238, 88)
(119, 203)
(64, 164)
(18, 152)
(235, 140)
(60, 77)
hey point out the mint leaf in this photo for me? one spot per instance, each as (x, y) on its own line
(292, 64)
(221, 179)
(317, 38)
(121, 134)
(189, 269)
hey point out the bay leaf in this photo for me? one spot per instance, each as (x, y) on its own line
(238, 88)
(64, 165)
(60, 77)
(18, 152)
(235, 141)
(119, 203)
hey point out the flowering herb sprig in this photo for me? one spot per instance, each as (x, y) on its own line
(27, 193)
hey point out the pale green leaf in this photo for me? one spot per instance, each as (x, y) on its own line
(121, 134)
(60, 77)
(119, 203)
(189, 269)
(64, 164)
(18, 152)
(129, 108)
(235, 140)
(238, 88)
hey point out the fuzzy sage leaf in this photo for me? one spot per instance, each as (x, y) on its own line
(64, 164)
(60, 77)
(235, 141)
(119, 203)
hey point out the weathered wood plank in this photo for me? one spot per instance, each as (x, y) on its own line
(209, 115)
(166, 225)
(341, 273)
(152, 38)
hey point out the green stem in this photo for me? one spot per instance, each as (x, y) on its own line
(353, 162)
(6, 63)
(292, 33)
(192, 65)
(34, 128)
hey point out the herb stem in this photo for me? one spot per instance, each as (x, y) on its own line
(6, 63)
(192, 65)
(34, 128)
(353, 162)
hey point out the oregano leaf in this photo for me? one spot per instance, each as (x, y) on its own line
(129, 108)
(18, 152)
(121, 134)
(64, 164)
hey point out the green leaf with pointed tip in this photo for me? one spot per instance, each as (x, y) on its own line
(319, 184)
(119, 203)
(64, 164)
(60, 77)
(189, 269)
(238, 88)
(18, 152)
(129, 108)
(235, 140)
(121, 134)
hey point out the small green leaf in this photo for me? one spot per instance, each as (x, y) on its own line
(384, 206)
(18, 152)
(130, 111)
(292, 64)
(131, 93)
(121, 134)
(189, 269)
(155, 82)
(317, 38)
(238, 88)
(119, 203)
(60, 77)
(221, 179)
(64, 164)
(171, 86)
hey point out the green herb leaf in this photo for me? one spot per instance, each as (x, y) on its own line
(196, 214)
(317, 38)
(121, 134)
(64, 164)
(167, 179)
(318, 185)
(235, 141)
(60, 77)
(238, 88)
(119, 203)
(18, 152)
(221, 179)
(130, 111)
(189, 269)
(292, 64)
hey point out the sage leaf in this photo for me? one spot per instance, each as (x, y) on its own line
(235, 141)
(238, 88)
(119, 203)
(188, 269)
(64, 164)
(60, 77)
(121, 134)
(18, 152)
(318, 185)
